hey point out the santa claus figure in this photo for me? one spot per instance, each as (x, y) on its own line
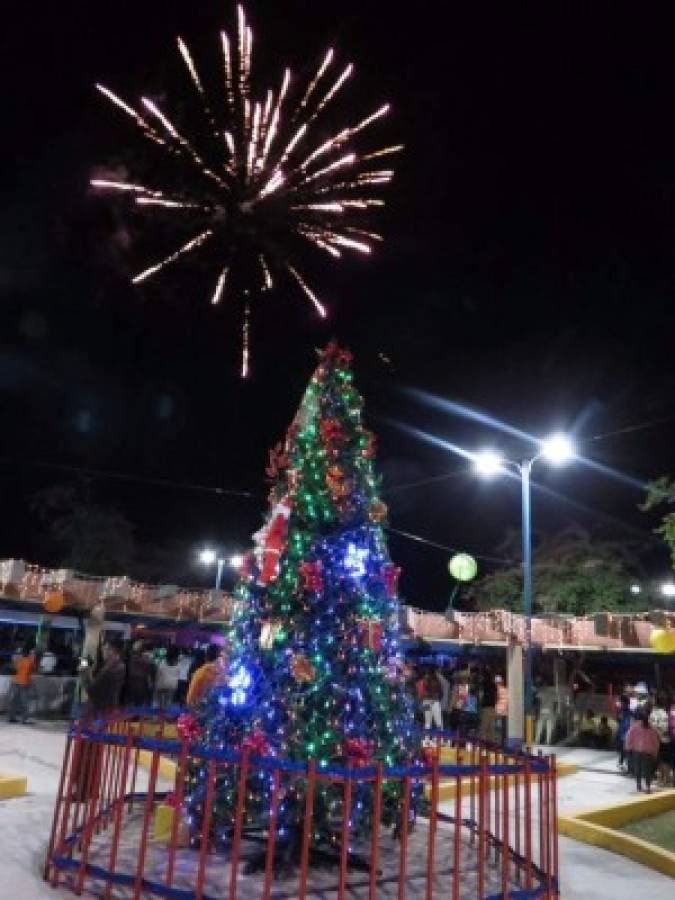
(270, 541)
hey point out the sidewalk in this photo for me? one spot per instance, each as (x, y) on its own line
(589, 873)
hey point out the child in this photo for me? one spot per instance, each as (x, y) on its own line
(643, 742)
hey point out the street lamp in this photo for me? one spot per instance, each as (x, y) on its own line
(209, 557)
(557, 450)
(668, 589)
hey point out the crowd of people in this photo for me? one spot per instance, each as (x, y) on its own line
(470, 700)
(123, 675)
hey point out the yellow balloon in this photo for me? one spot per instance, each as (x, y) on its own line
(660, 640)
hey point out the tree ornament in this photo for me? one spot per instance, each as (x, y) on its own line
(269, 631)
(270, 541)
(256, 743)
(358, 752)
(370, 633)
(278, 462)
(310, 572)
(369, 444)
(377, 511)
(188, 727)
(390, 576)
(330, 430)
(301, 669)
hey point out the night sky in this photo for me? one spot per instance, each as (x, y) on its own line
(528, 272)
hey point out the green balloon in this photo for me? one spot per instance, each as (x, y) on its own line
(463, 567)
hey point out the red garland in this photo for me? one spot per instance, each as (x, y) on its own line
(358, 752)
(256, 743)
(188, 727)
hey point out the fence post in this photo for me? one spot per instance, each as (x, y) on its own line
(527, 802)
(482, 832)
(175, 821)
(375, 838)
(206, 823)
(147, 816)
(307, 827)
(554, 829)
(58, 806)
(119, 810)
(238, 823)
(457, 837)
(403, 862)
(433, 818)
(75, 763)
(271, 834)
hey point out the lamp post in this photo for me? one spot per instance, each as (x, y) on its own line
(556, 449)
(209, 557)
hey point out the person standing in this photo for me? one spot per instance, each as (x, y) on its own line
(104, 688)
(140, 682)
(104, 685)
(624, 720)
(206, 675)
(168, 673)
(488, 703)
(643, 742)
(184, 665)
(432, 693)
(24, 667)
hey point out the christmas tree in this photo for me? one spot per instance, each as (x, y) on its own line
(314, 669)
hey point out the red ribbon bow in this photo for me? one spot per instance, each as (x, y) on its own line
(256, 743)
(188, 727)
(357, 751)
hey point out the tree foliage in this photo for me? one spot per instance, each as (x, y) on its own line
(573, 574)
(94, 539)
(660, 494)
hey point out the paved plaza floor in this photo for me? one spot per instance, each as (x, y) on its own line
(588, 873)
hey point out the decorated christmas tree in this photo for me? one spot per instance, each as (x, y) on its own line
(314, 668)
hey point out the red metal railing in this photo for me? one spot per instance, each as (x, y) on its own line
(487, 828)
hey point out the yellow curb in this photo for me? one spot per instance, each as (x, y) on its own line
(597, 827)
(448, 789)
(151, 729)
(12, 786)
(167, 767)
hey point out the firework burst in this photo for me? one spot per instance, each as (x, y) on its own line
(257, 185)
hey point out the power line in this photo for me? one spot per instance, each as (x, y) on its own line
(628, 429)
(422, 540)
(138, 479)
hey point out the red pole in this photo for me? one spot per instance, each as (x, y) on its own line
(516, 798)
(271, 834)
(375, 839)
(119, 810)
(498, 784)
(527, 802)
(147, 816)
(57, 808)
(238, 823)
(554, 820)
(433, 819)
(541, 781)
(89, 817)
(482, 790)
(307, 828)
(472, 795)
(506, 856)
(344, 848)
(206, 824)
(75, 764)
(457, 844)
(175, 822)
(403, 864)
